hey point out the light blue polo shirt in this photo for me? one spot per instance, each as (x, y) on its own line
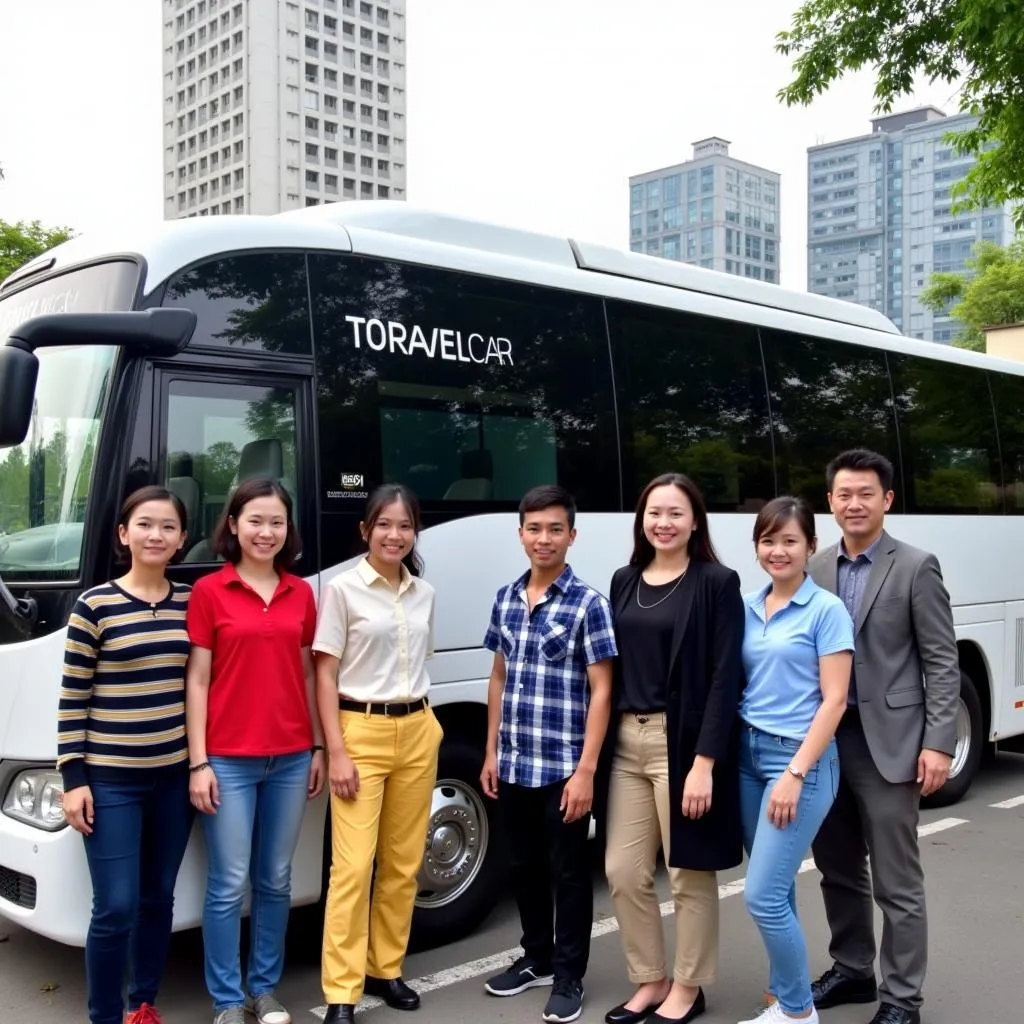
(780, 656)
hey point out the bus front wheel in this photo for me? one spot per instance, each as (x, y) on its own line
(457, 883)
(970, 743)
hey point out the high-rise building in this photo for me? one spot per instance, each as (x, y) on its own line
(278, 104)
(880, 220)
(713, 210)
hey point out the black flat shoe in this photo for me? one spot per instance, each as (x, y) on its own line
(340, 1013)
(620, 1015)
(835, 989)
(394, 992)
(699, 1006)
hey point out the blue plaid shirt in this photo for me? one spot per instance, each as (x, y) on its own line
(544, 704)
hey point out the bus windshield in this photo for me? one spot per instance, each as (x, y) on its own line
(44, 481)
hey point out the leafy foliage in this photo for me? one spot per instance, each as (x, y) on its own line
(990, 293)
(979, 44)
(22, 242)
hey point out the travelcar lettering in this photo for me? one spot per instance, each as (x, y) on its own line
(440, 342)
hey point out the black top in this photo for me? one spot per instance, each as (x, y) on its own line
(645, 644)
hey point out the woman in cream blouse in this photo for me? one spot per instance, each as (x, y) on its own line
(374, 635)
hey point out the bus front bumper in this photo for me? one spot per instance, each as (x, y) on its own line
(44, 881)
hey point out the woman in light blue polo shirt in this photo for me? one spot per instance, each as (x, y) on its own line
(797, 653)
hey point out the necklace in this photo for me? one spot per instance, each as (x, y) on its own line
(660, 600)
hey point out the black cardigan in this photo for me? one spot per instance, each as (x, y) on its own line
(705, 680)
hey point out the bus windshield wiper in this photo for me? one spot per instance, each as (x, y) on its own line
(20, 612)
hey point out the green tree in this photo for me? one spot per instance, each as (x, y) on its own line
(23, 241)
(991, 292)
(978, 44)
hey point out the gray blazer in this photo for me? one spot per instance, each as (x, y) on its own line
(908, 674)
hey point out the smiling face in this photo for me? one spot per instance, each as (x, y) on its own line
(261, 529)
(668, 519)
(153, 534)
(391, 536)
(783, 552)
(859, 504)
(546, 537)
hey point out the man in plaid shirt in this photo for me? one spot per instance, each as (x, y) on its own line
(548, 704)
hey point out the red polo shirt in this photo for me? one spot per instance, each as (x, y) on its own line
(257, 704)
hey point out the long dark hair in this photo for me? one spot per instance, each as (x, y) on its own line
(699, 546)
(225, 543)
(152, 492)
(387, 494)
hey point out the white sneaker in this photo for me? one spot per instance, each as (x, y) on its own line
(775, 1014)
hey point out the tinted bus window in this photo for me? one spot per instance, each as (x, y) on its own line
(825, 397)
(470, 390)
(692, 400)
(947, 437)
(254, 302)
(1008, 393)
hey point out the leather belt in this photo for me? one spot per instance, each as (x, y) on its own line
(391, 708)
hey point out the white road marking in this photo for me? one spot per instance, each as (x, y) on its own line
(606, 926)
(1005, 805)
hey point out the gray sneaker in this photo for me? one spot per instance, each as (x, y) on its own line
(232, 1015)
(267, 1010)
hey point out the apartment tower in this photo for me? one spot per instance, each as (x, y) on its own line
(880, 217)
(713, 210)
(273, 105)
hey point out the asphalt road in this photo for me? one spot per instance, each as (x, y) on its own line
(974, 862)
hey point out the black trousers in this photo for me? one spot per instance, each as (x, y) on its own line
(549, 864)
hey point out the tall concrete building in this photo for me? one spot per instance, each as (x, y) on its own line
(272, 105)
(713, 210)
(880, 218)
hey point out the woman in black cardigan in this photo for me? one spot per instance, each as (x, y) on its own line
(669, 775)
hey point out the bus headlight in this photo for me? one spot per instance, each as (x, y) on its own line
(35, 797)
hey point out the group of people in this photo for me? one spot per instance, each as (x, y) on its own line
(687, 717)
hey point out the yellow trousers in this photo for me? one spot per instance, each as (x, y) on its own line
(387, 823)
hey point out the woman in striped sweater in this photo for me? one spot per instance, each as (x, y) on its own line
(123, 756)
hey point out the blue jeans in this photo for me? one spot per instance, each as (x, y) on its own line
(775, 854)
(142, 823)
(251, 839)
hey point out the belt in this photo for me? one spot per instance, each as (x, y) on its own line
(392, 708)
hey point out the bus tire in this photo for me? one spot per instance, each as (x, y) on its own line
(458, 882)
(970, 744)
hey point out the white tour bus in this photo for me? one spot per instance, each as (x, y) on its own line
(340, 346)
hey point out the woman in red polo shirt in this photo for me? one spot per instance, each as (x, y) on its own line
(254, 738)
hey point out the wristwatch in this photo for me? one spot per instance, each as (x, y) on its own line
(797, 773)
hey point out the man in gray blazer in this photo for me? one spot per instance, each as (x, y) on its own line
(895, 741)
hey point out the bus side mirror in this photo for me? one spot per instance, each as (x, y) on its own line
(155, 332)
(18, 371)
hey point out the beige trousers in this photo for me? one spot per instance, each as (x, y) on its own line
(638, 824)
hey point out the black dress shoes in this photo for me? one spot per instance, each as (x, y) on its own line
(340, 1013)
(889, 1014)
(621, 1015)
(393, 991)
(692, 1013)
(835, 989)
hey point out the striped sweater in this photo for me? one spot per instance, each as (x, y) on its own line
(122, 700)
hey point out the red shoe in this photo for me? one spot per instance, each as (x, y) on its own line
(145, 1014)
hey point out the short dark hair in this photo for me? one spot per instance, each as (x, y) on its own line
(225, 543)
(153, 492)
(699, 546)
(548, 496)
(388, 494)
(861, 459)
(780, 511)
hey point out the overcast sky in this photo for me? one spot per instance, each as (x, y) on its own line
(525, 112)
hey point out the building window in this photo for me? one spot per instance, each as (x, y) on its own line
(671, 247)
